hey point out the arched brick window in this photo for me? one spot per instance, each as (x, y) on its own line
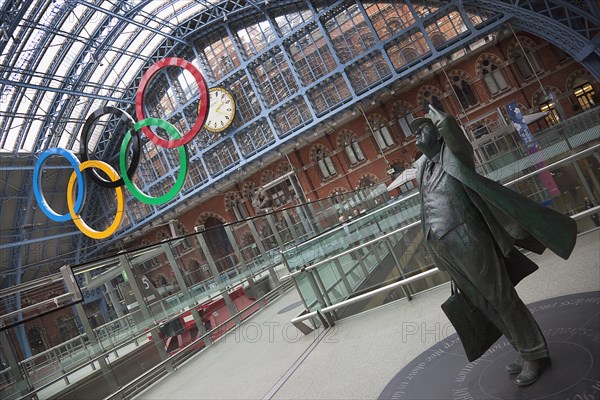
(320, 155)
(524, 57)
(347, 140)
(488, 66)
(382, 134)
(462, 88)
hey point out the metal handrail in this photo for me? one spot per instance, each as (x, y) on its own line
(343, 253)
(367, 295)
(164, 362)
(54, 300)
(403, 282)
(406, 281)
(404, 228)
(352, 221)
(555, 164)
(142, 333)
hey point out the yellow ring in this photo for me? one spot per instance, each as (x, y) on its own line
(83, 227)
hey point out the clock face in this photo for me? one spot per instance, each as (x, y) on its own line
(221, 110)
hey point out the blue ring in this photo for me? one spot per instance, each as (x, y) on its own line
(37, 184)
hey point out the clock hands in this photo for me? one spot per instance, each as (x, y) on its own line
(218, 109)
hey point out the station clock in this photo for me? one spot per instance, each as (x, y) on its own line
(221, 110)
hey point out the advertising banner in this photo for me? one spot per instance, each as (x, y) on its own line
(526, 136)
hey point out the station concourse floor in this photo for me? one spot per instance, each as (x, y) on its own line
(268, 357)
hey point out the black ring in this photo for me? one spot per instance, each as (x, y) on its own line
(83, 150)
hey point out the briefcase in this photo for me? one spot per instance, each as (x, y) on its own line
(476, 332)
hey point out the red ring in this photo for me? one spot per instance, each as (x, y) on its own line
(202, 108)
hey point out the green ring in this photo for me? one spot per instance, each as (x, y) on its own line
(183, 159)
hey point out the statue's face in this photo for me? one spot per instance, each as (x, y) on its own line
(427, 136)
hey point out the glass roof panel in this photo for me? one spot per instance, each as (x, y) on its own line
(34, 129)
(77, 16)
(64, 140)
(11, 138)
(52, 37)
(105, 64)
(183, 15)
(164, 11)
(130, 73)
(149, 48)
(125, 36)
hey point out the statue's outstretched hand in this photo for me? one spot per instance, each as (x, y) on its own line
(437, 116)
(453, 135)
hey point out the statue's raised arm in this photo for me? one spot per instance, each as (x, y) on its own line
(453, 135)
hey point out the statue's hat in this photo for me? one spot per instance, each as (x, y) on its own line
(415, 123)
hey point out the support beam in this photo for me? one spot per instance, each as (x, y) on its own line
(76, 93)
(243, 267)
(133, 22)
(38, 240)
(190, 301)
(96, 347)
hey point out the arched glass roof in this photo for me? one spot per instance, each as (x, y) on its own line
(64, 52)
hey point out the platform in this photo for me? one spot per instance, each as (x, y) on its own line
(362, 356)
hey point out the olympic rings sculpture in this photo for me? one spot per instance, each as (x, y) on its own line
(76, 188)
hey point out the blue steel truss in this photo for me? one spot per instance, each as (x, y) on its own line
(572, 26)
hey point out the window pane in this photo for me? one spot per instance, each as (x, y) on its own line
(255, 138)
(446, 29)
(246, 101)
(291, 116)
(287, 18)
(348, 31)
(490, 83)
(407, 49)
(368, 72)
(329, 95)
(552, 118)
(311, 55)
(220, 55)
(405, 124)
(274, 77)
(223, 157)
(254, 38)
(423, 11)
(523, 66)
(389, 18)
(499, 78)
(586, 95)
(196, 175)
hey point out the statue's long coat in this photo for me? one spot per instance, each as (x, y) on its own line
(512, 218)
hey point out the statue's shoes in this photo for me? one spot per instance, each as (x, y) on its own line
(531, 372)
(514, 367)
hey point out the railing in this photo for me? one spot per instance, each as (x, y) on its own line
(555, 140)
(309, 276)
(60, 362)
(170, 362)
(403, 283)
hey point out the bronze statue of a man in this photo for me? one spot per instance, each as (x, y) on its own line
(471, 226)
